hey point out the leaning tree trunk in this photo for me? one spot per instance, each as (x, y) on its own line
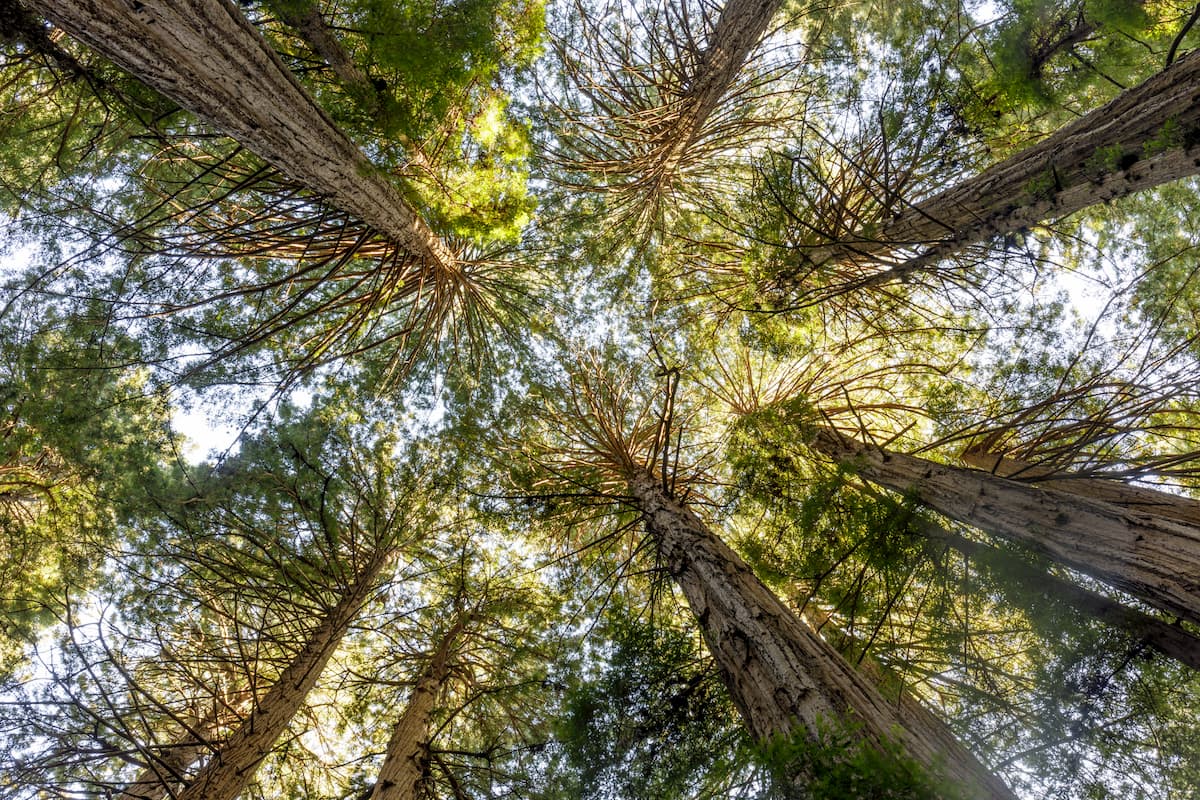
(206, 56)
(783, 678)
(1170, 640)
(1109, 490)
(406, 765)
(232, 767)
(1154, 558)
(739, 29)
(1146, 136)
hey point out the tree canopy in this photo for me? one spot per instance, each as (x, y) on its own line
(588, 399)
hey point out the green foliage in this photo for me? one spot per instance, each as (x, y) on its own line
(1040, 58)
(64, 113)
(433, 100)
(227, 268)
(84, 437)
(645, 715)
(837, 763)
(1168, 137)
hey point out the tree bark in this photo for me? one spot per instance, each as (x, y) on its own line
(232, 767)
(406, 765)
(782, 676)
(1146, 136)
(1156, 559)
(1139, 498)
(1170, 640)
(206, 56)
(739, 29)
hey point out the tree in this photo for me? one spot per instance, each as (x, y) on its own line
(1133, 550)
(647, 113)
(77, 445)
(198, 204)
(666, 597)
(1171, 640)
(1139, 140)
(785, 681)
(175, 50)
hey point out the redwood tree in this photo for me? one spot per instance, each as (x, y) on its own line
(1146, 136)
(1153, 557)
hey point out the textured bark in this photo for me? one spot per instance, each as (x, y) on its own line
(1170, 640)
(406, 764)
(207, 57)
(1154, 558)
(232, 767)
(739, 29)
(1139, 498)
(1119, 148)
(782, 676)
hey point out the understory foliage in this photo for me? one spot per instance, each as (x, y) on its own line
(285, 495)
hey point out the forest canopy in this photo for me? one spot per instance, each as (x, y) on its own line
(591, 399)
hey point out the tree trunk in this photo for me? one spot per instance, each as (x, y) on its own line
(206, 56)
(232, 767)
(1153, 558)
(312, 28)
(406, 765)
(782, 676)
(1170, 640)
(739, 29)
(1147, 136)
(1138, 498)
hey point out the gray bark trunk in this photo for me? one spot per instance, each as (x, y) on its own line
(406, 765)
(1170, 640)
(232, 767)
(207, 57)
(1126, 495)
(1153, 558)
(782, 676)
(1147, 136)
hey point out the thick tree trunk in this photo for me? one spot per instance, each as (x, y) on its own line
(1170, 640)
(310, 24)
(1126, 495)
(782, 676)
(1147, 136)
(206, 56)
(232, 767)
(406, 765)
(1153, 558)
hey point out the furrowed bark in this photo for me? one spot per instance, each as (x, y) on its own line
(232, 767)
(782, 676)
(206, 56)
(406, 765)
(1154, 558)
(1170, 640)
(1127, 495)
(1146, 136)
